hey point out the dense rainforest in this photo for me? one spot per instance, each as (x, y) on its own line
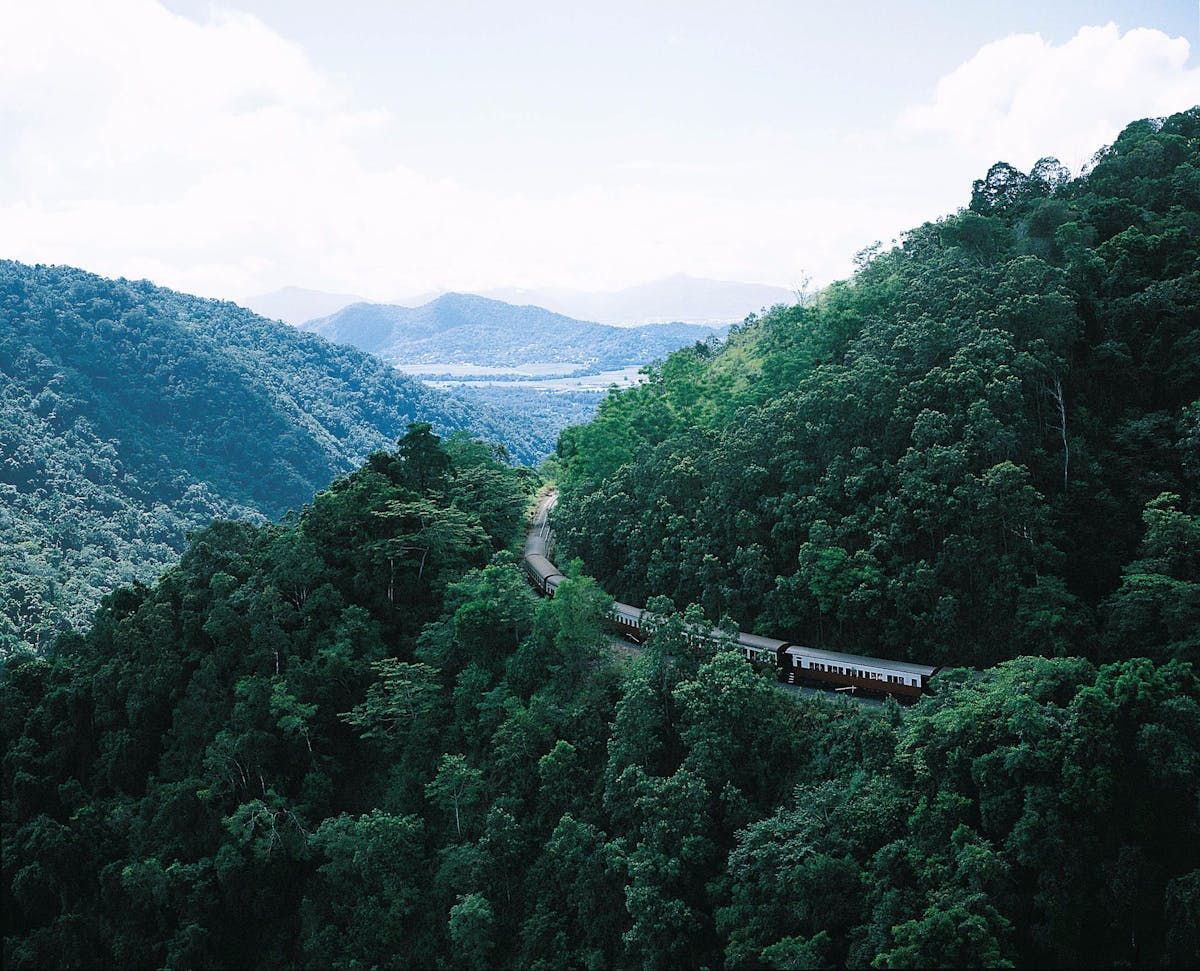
(354, 737)
(984, 444)
(130, 414)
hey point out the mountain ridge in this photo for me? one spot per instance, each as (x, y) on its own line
(470, 329)
(131, 414)
(679, 298)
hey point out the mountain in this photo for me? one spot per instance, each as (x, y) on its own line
(985, 444)
(680, 298)
(355, 737)
(675, 299)
(131, 414)
(294, 305)
(468, 329)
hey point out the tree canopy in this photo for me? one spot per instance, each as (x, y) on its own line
(945, 458)
(355, 738)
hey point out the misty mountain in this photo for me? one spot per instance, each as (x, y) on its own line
(294, 305)
(469, 329)
(680, 297)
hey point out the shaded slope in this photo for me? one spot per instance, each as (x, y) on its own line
(130, 414)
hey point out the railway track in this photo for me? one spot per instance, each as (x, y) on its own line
(545, 576)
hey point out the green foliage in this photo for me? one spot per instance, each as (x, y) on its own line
(399, 705)
(354, 738)
(227, 732)
(131, 415)
(1157, 605)
(943, 458)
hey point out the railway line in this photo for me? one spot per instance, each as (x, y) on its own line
(797, 664)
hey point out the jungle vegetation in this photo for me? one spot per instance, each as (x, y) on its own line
(354, 737)
(984, 444)
(131, 414)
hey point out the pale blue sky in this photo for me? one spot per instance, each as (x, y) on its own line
(395, 148)
(524, 81)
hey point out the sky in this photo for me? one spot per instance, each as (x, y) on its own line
(394, 148)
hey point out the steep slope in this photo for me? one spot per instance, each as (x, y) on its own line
(986, 443)
(355, 739)
(466, 329)
(130, 414)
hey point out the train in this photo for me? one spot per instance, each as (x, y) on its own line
(796, 663)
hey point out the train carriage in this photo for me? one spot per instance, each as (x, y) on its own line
(542, 573)
(794, 662)
(629, 622)
(761, 650)
(856, 671)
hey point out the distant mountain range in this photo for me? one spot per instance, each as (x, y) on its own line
(459, 328)
(130, 414)
(680, 298)
(294, 305)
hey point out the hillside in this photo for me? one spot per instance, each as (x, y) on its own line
(466, 329)
(131, 414)
(356, 739)
(984, 444)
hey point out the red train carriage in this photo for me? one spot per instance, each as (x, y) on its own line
(628, 622)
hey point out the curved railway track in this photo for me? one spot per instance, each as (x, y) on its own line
(796, 663)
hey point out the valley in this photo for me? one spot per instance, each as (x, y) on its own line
(276, 689)
(527, 377)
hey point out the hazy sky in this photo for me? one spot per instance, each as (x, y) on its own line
(387, 149)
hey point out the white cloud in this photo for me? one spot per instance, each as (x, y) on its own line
(216, 157)
(135, 138)
(1022, 98)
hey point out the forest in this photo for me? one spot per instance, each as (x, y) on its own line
(353, 736)
(985, 444)
(131, 414)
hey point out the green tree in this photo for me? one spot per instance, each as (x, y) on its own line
(456, 789)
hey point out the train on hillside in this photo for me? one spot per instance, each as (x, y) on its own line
(795, 663)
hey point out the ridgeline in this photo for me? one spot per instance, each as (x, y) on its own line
(985, 444)
(355, 737)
